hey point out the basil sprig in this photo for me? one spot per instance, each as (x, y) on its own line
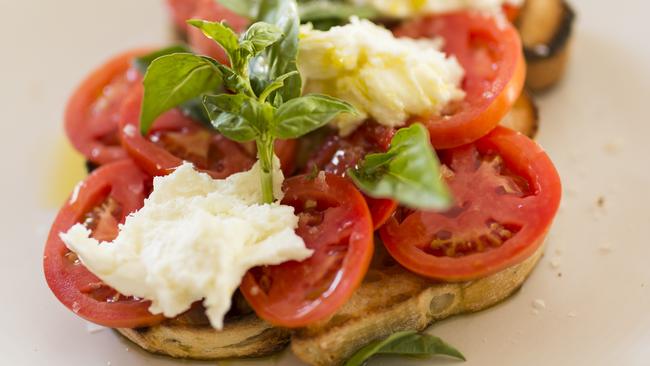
(407, 343)
(323, 14)
(264, 102)
(408, 172)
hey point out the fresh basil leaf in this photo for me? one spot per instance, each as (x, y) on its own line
(275, 85)
(245, 8)
(409, 172)
(174, 79)
(406, 343)
(233, 81)
(194, 109)
(281, 57)
(220, 33)
(319, 10)
(236, 116)
(305, 114)
(259, 36)
(143, 62)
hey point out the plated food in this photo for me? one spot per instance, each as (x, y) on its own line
(329, 174)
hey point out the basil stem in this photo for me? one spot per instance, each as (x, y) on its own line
(265, 154)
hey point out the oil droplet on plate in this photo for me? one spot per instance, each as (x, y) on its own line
(64, 169)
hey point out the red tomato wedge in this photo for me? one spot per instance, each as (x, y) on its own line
(100, 202)
(336, 224)
(507, 193)
(175, 138)
(338, 154)
(213, 11)
(490, 51)
(93, 111)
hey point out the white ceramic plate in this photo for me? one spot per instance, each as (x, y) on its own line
(594, 280)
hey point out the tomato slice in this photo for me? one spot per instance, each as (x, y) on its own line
(175, 138)
(511, 11)
(507, 192)
(213, 11)
(490, 51)
(180, 11)
(338, 154)
(93, 111)
(100, 202)
(336, 224)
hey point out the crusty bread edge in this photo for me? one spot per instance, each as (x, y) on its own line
(244, 337)
(439, 301)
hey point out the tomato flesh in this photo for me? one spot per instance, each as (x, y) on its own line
(101, 202)
(175, 138)
(491, 54)
(338, 154)
(507, 193)
(93, 112)
(334, 221)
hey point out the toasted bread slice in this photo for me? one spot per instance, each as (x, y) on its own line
(524, 116)
(247, 336)
(545, 27)
(391, 299)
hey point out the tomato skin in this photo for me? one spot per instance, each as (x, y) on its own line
(338, 228)
(72, 283)
(213, 11)
(338, 154)
(521, 219)
(157, 160)
(180, 11)
(91, 126)
(492, 57)
(511, 12)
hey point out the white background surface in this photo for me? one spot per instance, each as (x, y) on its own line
(595, 125)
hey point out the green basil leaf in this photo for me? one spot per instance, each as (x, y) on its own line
(174, 79)
(143, 62)
(319, 10)
(305, 114)
(195, 110)
(260, 36)
(233, 81)
(409, 172)
(236, 116)
(245, 8)
(281, 57)
(220, 33)
(275, 85)
(406, 343)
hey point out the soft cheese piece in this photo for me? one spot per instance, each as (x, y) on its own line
(410, 8)
(387, 78)
(194, 239)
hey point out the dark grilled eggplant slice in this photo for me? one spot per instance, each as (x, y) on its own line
(546, 28)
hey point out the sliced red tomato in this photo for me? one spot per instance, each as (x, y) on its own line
(175, 138)
(336, 224)
(338, 154)
(180, 11)
(213, 11)
(101, 202)
(93, 111)
(511, 12)
(490, 52)
(507, 192)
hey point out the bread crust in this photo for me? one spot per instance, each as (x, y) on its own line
(247, 336)
(393, 300)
